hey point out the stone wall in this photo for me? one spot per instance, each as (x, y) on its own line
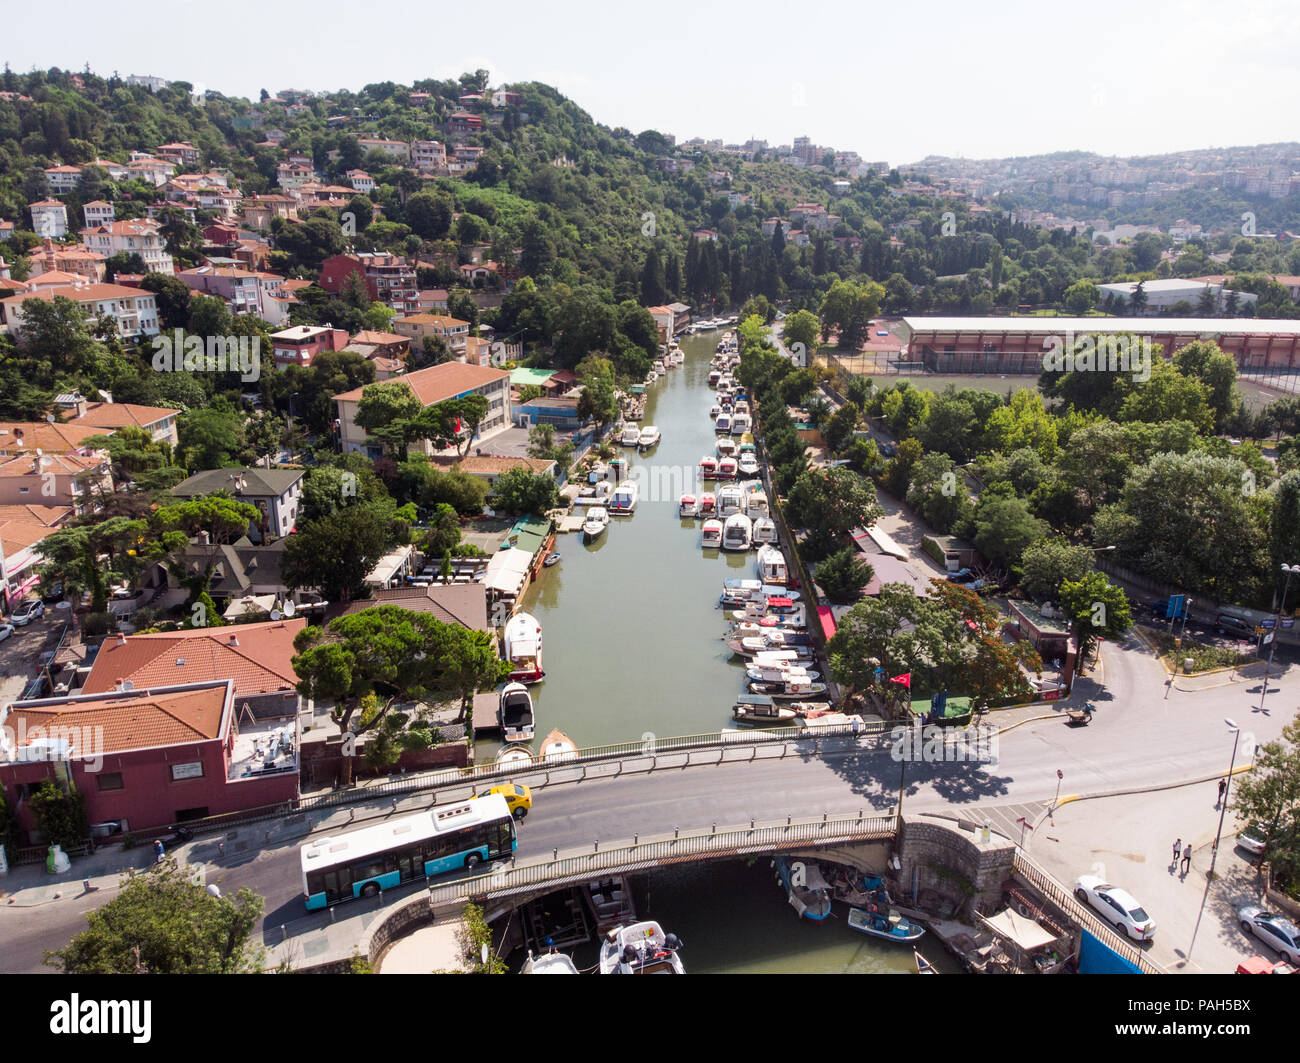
(323, 761)
(953, 863)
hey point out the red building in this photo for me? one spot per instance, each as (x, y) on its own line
(147, 759)
(389, 278)
(300, 344)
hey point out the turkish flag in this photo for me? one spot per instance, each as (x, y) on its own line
(905, 680)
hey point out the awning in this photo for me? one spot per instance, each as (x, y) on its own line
(507, 571)
(827, 621)
(388, 566)
(1019, 929)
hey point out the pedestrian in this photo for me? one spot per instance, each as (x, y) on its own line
(158, 851)
(1178, 848)
(1187, 858)
(1223, 789)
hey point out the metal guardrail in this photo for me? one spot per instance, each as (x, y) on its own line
(1060, 896)
(638, 856)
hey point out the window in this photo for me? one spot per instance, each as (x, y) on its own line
(111, 780)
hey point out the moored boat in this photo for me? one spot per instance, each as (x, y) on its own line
(711, 535)
(642, 948)
(765, 530)
(515, 713)
(549, 963)
(889, 925)
(513, 756)
(650, 436)
(787, 690)
(805, 887)
(708, 468)
(687, 506)
(623, 500)
(727, 469)
(723, 424)
(747, 464)
(523, 648)
(557, 746)
(771, 567)
(923, 966)
(597, 521)
(779, 672)
(735, 532)
(631, 436)
(760, 709)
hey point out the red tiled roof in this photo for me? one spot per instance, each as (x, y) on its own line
(258, 659)
(440, 382)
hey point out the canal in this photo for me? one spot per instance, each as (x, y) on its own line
(631, 635)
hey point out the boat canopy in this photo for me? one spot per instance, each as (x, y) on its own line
(1019, 929)
(507, 571)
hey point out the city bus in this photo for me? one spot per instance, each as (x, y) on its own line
(434, 842)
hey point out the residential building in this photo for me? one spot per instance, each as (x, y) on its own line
(299, 344)
(435, 384)
(184, 150)
(361, 181)
(21, 529)
(140, 236)
(491, 469)
(145, 759)
(79, 262)
(75, 479)
(417, 326)
(258, 211)
(6, 229)
(452, 603)
(246, 291)
(148, 81)
(463, 122)
(428, 155)
(398, 150)
(277, 493)
(107, 417)
(49, 219)
(389, 278)
(63, 178)
(97, 213)
(133, 310)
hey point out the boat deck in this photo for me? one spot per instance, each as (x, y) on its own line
(571, 523)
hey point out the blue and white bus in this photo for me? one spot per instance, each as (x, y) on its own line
(436, 842)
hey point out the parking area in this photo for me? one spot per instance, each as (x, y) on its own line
(20, 653)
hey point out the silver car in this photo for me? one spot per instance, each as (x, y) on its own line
(1272, 929)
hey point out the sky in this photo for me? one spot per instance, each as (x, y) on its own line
(894, 82)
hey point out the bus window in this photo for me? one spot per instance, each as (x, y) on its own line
(371, 868)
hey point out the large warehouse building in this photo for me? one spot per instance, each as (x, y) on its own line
(1018, 344)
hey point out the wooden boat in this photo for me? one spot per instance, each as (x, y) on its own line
(805, 888)
(513, 757)
(884, 924)
(759, 709)
(789, 690)
(551, 559)
(557, 746)
(923, 966)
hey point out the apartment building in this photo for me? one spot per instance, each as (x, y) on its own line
(134, 311)
(140, 236)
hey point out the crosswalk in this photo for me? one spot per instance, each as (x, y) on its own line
(1008, 820)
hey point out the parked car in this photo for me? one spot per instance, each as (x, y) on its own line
(54, 594)
(1272, 929)
(27, 612)
(1234, 625)
(1252, 839)
(1117, 905)
(5, 631)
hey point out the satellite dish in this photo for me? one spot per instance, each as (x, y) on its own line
(276, 614)
(290, 608)
(50, 417)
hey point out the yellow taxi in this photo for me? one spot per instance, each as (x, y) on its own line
(519, 798)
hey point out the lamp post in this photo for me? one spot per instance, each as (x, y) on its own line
(1236, 737)
(1290, 571)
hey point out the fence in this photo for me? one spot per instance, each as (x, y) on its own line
(1066, 902)
(639, 856)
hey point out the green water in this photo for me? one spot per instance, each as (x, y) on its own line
(631, 636)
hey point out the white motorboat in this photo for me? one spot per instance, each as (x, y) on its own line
(711, 534)
(714, 410)
(687, 506)
(771, 673)
(515, 713)
(595, 496)
(523, 648)
(789, 690)
(623, 500)
(784, 612)
(597, 521)
(730, 499)
(725, 448)
(513, 757)
(770, 566)
(549, 963)
(741, 423)
(747, 464)
(631, 436)
(714, 376)
(723, 424)
(736, 531)
(649, 437)
(557, 746)
(708, 468)
(642, 948)
(756, 505)
(708, 505)
(757, 708)
(773, 640)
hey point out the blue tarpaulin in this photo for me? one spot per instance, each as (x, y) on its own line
(1096, 957)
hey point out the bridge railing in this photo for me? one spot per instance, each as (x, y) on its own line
(636, 855)
(1060, 896)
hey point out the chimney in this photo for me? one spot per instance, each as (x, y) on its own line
(121, 639)
(234, 640)
(82, 406)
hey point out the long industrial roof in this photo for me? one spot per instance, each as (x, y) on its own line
(1212, 326)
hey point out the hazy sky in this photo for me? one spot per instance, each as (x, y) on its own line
(893, 82)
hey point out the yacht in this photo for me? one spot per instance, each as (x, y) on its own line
(771, 567)
(747, 465)
(714, 376)
(727, 469)
(708, 505)
(515, 713)
(687, 506)
(714, 410)
(756, 505)
(764, 530)
(650, 436)
(597, 521)
(549, 963)
(623, 500)
(711, 535)
(523, 648)
(740, 423)
(708, 468)
(631, 436)
(642, 948)
(725, 448)
(722, 425)
(736, 532)
(730, 500)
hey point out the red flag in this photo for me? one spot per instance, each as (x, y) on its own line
(905, 680)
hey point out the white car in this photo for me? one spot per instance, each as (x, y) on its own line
(1118, 906)
(27, 612)
(5, 631)
(1272, 929)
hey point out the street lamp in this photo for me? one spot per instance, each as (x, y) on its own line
(1290, 571)
(1236, 737)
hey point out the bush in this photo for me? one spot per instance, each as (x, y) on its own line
(95, 624)
(60, 815)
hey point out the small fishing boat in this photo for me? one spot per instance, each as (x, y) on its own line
(736, 531)
(515, 713)
(514, 756)
(711, 535)
(557, 746)
(551, 559)
(884, 924)
(597, 521)
(642, 948)
(805, 887)
(923, 966)
(687, 506)
(549, 963)
(759, 709)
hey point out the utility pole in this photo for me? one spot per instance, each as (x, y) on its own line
(1290, 570)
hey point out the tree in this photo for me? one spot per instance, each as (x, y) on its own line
(841, 426)
(1049, 563)
(336, 552)
(848, 309)
(210, 438)
(597, 401)
(829, 503)
(876, 632)
(1269, 795)
(938, 492)
(388, 410)
(519, 491)
(973, 656)
(452, 422)
(469, 663)
(1205, 362)
(541, 444)
(843, 575)
(1082, 296)
(444, 532)
(165, 922)
(1004, 528)
(1096, 608)
(60, 814)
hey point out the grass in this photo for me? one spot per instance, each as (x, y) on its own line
(1205, 656)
